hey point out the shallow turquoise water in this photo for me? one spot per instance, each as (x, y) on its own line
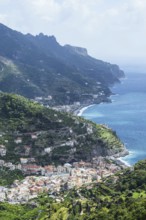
(126, 114)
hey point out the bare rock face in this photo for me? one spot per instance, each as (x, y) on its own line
(77, 50)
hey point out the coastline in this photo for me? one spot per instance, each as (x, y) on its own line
(124, 162)
(118, 158)
(80, 111)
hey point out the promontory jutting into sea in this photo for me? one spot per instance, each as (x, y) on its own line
(126, 115)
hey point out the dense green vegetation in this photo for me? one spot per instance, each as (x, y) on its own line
(8, 176)
(120, 197)
(39, 66)
(70, 138)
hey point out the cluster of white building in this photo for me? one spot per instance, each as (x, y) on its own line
(57, 178)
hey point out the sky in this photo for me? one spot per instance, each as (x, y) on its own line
(111, 30)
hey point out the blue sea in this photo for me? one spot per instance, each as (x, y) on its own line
(126, 115)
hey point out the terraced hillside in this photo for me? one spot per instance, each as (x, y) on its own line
(28, 130)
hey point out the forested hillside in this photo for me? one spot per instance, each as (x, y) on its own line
(38, 66)
(28, 129)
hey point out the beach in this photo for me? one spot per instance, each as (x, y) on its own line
(80, 111)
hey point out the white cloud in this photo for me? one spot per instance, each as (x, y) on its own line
(110, 29)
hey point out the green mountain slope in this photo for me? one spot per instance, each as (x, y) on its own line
(35, 66)
(50, 136)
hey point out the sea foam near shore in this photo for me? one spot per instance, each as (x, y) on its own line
(123, 161)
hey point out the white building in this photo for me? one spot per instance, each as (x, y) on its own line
(2, 150)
